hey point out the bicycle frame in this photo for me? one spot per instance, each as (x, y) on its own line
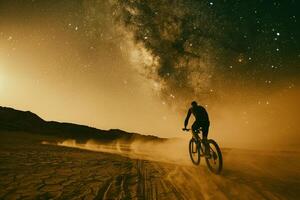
(196, 134)
(198, 139)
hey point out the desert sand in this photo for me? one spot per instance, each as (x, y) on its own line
(31, 168)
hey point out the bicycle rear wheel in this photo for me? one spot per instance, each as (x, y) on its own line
(194, 151)
(215, 161)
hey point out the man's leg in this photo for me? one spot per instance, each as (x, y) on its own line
(195, 128)
(205, 128)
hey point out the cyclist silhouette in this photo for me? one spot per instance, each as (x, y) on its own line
(202, 121)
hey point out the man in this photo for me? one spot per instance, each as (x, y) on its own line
(202, 121)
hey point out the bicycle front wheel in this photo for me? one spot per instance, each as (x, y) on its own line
(194, 151)
(214, 161)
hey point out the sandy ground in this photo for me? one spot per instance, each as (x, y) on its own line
(30, 169)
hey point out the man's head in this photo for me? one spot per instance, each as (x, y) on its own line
(194, 104)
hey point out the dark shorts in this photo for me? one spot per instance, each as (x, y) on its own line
(201, 124)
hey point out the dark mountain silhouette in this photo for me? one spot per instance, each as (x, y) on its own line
(26, 121)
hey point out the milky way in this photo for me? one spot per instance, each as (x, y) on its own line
(202, 46)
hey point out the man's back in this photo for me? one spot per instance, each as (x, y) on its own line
(200, 113)
(201, 116)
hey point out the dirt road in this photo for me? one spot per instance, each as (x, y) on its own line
(32, 170)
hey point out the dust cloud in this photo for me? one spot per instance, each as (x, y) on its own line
(170, 151)
(257, 119)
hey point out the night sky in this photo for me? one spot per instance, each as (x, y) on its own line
(200, 46)
(137, 65)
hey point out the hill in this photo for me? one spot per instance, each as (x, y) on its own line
(26, 121)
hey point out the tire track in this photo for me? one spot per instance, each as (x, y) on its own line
(153, 183)
(115, 188)
(106, 191)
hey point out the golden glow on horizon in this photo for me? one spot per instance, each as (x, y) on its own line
(50, 77)
(4, 76)
(2, 81)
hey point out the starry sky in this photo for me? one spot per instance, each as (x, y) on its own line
(137, 65)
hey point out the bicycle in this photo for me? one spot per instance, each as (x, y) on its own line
(213, 159)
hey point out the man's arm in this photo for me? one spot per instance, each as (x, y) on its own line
(186, 121)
